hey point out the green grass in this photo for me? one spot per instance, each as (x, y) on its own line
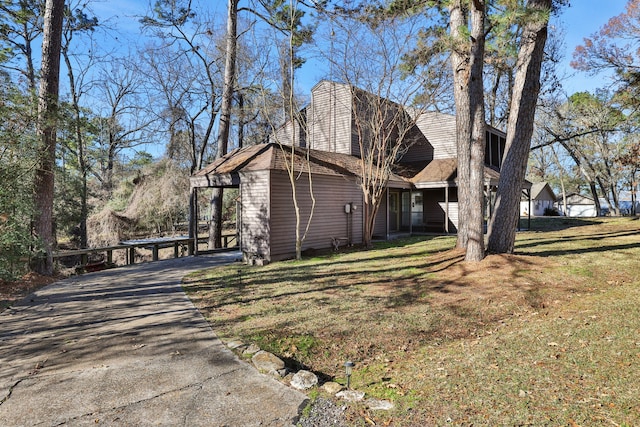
(548, 336)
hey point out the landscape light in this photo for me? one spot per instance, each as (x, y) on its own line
(348, 367)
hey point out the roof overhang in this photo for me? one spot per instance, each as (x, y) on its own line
(228, 180)
(435, 184)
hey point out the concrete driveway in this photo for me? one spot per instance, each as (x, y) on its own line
(125, 347)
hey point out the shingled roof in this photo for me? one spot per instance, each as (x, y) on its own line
(224, 172)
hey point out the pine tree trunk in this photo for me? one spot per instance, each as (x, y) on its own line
(475, 230)
(502, 227)
(215, 231)
(459, 64)
(467, 62)
(47, 120)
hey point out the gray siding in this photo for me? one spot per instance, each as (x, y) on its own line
(419, 152)
(440, 130)
(254, 227)
(330, 118)
(329, 218)
(288, 134)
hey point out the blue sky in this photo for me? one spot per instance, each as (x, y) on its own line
(581, 19)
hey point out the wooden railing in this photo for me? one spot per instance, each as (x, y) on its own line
(180, 245)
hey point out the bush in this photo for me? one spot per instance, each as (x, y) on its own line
(16, 241)
(551, 212)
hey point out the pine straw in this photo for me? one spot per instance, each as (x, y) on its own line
(14, 291)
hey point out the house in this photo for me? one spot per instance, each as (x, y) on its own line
(578, 206)
(541, 198)
(420, 196)
(629, 203)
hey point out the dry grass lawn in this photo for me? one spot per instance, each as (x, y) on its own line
(549, 336)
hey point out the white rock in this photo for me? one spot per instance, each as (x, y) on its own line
(235, 344)
(303, 380)
(252, 349)
(267, 362)
(351, 395)
(382, 405)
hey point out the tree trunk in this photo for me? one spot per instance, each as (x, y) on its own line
(47, 120)
(215, 226)
(80, 153)
(634, 197)
(215, 231)
(502, 227)
(467, 62)
(564, 193)
(459, 64)
(475, 231)
(596, 199)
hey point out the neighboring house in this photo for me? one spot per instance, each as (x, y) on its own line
(541, 197)
(629, 203)
(421, 195)
(578, 206)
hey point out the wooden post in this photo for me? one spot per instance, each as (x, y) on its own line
(132, 255)
(197, 215)
(175, 250)
(109, 256)
(155, 252)
(446, 209)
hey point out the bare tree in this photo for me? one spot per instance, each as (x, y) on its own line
(196, 103)
(78, 22)
(47, 125)
(289, 35)
(589, 128)
(124, 121)
(380, 89)
(630, 161)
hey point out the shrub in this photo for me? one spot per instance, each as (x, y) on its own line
(551, 212)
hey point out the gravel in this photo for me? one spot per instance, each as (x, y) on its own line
(324, 413)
